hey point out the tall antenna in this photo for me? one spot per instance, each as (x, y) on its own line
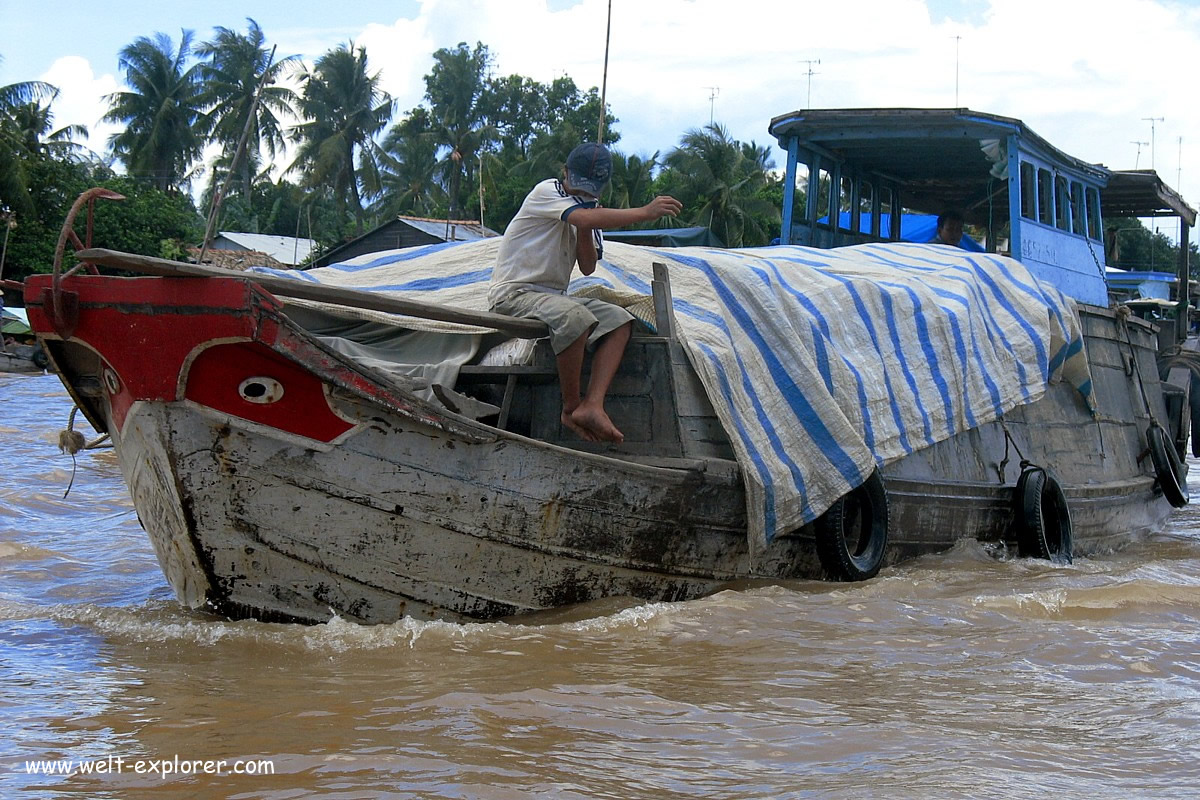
(956, 39)
(810, 62)
(1152, 120)
(1179, 166)
(1179, 188)
(713, 93)
(604, 79)
(1138, 157)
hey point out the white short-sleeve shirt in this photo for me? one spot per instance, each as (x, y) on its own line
(537, 252)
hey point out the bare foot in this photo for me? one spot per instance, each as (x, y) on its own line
(580, 431)
(598, 423)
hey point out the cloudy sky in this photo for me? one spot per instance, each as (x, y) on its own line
(1087, 76)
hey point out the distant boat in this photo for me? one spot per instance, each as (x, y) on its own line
(295, 453)
(14, 355)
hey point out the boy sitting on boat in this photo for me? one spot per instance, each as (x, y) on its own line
(558, 225)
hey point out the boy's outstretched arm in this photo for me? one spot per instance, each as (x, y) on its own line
(604, 218)
(588, 219)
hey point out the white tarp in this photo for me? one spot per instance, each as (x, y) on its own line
(821, 364)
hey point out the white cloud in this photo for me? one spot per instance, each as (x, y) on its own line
(80, 99)
(1085, 76)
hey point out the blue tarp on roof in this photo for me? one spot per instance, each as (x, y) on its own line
(920, 228)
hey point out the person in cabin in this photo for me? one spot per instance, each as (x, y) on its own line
(950, 228)
(559, 225)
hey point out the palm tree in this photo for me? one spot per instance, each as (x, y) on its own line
(455, 89)
(632, 181)
(237, 65)
(720, 179)
(161, 140)
(15, 152)
(33, 123)
(408, 168)
(344, 108)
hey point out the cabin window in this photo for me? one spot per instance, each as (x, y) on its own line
(887, 203)
(1078, 224)
(1045, 192)
(1062, 203)
(866, 199)
(1093, 214)
(1028, 191)
(824, 190)
(800, 195)
(846, 205)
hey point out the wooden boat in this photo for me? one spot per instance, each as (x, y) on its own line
(15, 355)
(22, 359)
(1046, 209)
(280, 478)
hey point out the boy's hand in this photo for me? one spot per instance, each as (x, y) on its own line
(663, 206)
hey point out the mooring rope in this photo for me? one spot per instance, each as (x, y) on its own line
(71, 441)
(1123, 314)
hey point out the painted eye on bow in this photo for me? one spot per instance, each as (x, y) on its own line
(261, 390)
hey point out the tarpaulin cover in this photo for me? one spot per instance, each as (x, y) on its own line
(821, 364)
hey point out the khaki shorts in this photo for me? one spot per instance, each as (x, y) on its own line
(567, 317)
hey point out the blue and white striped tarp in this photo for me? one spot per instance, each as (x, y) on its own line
(821, 364)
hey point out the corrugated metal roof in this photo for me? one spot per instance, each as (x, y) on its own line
(284, 249)
(456, 230)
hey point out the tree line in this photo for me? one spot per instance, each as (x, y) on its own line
(471, 150)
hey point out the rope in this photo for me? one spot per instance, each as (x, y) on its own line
(71, 441)
(1008, 439)
(1123, 314)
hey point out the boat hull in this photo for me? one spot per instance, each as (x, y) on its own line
(359, 501)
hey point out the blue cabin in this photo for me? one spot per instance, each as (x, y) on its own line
(1035, 202)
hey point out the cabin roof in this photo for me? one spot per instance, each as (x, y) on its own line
(934, 154)
(911, 143)
(1141, 193)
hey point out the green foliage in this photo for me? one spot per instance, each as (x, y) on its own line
(161, 138)
(1130, 245)
(724, 185)
(138, 224)
(455, 89)
(473, 149)
(24, 123)
(230, 92)
(345, 109)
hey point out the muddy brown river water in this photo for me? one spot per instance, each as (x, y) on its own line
(972, 674)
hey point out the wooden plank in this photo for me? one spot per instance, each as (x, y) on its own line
(664, 309)
(285, 287)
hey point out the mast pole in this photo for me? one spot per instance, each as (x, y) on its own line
(604, 79)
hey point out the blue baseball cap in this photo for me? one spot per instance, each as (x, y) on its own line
(589, 168)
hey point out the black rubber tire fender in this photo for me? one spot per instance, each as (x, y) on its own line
(1168, 467)
(1194, 408)
(1043, 519)
(852, 534)
(39, 358)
